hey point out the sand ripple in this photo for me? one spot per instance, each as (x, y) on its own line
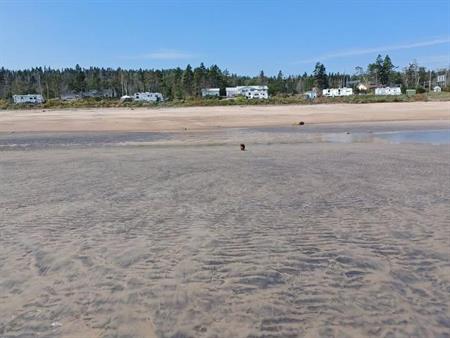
(308, 240)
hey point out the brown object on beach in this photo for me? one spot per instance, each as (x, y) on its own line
(301, 123)
(242, 146)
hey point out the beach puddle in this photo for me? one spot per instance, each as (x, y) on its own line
(434, 137)
(279, 135)
(30, 141)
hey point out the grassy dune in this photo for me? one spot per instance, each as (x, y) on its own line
(193, 102)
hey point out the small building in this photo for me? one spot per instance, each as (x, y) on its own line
(441, 80)
(28, 98)
(148, 97)
(210, 92)
(250, 92)
(332, 92)
(388, 91)
(437, 89)
(410, 92)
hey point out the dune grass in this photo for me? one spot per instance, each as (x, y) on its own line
(199, 102)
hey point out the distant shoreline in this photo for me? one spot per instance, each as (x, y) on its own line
(86, 103)
(179, 119)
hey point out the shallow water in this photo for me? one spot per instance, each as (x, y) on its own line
(291, 135)
(435, 137)
(303, 134)
(29, 141)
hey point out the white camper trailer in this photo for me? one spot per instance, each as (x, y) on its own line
(255, 92)
(388, 91)
(210, 92)
(148, 97)
(28, 98)
(332, 92)
(250, 92)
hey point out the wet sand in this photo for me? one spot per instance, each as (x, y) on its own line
(179, 238)
(211, 118)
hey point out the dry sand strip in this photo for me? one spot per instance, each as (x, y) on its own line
(206, 118)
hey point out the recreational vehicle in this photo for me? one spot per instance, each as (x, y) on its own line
(250, 92)
(28, 98)
(388, 91)
(332, 92)
(148, 97)
(210, 92)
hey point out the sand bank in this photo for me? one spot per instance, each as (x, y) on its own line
(207, 118)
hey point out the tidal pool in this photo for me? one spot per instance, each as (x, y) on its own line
(434, 137)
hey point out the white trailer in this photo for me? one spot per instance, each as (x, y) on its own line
(255, 92)
(28, 98)
(232, 91)
(210, 92)
(332, 92)
(250, 92)
(148, 97)
(388, 91)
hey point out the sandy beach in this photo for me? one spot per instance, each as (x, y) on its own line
(313, 232)
(206, 118)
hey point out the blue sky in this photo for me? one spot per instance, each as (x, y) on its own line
(242, 36)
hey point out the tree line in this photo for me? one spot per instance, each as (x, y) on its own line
(177, 83)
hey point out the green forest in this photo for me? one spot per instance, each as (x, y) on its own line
(177, 83)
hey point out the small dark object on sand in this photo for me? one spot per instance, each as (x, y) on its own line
(348, 133)
(242, 146)
(301, 123)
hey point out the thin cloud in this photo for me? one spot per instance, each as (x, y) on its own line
(388, 48)
(436, 59)
(164, 54)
